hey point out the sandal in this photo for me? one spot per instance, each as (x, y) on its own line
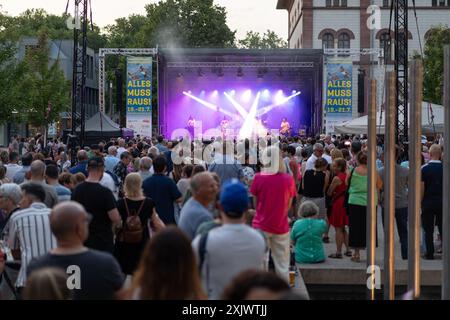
(326, 239)
(335, 256)
(348, 253)
(355, 259)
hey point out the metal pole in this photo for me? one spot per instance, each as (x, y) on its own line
(372, 176)
(110, 99)
(446, 196)
(389, 189)
(415, 151)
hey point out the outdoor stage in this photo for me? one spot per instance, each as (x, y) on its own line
(241, 92)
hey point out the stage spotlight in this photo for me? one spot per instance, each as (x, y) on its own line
(247, 95)
(203, 92)
(266, 94)
(240, 73)
(294, 91)
(232, 92)
(190, 92)
(215, 93)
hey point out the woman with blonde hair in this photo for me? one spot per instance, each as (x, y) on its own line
(134, 234)
(273, 191)
(47, 284)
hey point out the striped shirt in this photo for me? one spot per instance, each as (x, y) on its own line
(30, 232)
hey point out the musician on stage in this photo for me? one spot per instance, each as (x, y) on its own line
(224, 124)
(190, 126)
(285, 128)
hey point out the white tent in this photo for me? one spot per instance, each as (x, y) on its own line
(360, 125)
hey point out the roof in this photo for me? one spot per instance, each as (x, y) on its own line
(284, 4)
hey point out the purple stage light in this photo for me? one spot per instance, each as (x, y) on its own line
(279, 97)
(215, 93)
(266, 94)
(247, 95)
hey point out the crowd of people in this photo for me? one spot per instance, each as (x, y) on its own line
(126, 220)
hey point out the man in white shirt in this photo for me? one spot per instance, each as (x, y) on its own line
(12, 167)
(317, 153)
(29, 229)
(226, 251)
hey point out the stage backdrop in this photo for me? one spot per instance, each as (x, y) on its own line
(338, 88)
(139, 95)
(247, 104)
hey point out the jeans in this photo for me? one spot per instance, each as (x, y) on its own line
(401, 219)
(428, 223)
(279, 247)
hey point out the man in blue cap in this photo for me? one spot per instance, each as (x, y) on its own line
(226, 251)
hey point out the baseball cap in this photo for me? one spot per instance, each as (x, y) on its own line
(234, 198)
(96, 162)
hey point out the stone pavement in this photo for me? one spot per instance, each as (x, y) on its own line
(337, 272)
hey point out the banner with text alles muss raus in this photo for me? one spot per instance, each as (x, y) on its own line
(338, 86)
(139, 95)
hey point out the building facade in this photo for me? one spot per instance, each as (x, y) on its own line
(61, 51)
(343, 24)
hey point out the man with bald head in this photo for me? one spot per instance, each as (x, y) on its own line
(37, 170)
(195, 212)
(432, 176)
(81, 166)
(99, 273)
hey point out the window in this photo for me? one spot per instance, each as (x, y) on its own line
(344, 41)
(386, 46)
(328, 41)
(434, 3)
(386, 3)
(343, 3)
(336, 3)
(328, 3)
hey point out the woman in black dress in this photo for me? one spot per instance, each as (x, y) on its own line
(135, 203)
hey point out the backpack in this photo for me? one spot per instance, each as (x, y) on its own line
(132, 231)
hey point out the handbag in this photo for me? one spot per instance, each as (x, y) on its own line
(132, 231)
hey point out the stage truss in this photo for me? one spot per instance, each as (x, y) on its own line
(118, 52)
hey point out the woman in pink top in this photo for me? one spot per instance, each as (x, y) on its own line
(273, 190)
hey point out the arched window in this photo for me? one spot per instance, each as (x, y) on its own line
(386, 46)
(344, 41)
(328, 41)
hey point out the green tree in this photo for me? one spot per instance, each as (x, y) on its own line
(434, 64)
(11, 75)
(174, 23)
(268, 40)
(33, 21)
(48, 91)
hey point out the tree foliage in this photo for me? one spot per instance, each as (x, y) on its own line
(434, 64)
(174, 23)
(47, 89)
(268, 40)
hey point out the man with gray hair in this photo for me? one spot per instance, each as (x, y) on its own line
(111, 159)
(10, 196)
(121, 148)
(145, 164)
(82, 157)
(317, 153)
(37, 171)
(224, 163)
(195, 212)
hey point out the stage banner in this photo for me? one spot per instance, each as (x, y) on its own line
(338, 90)
(139, 95)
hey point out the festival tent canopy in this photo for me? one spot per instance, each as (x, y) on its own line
(360, 125)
